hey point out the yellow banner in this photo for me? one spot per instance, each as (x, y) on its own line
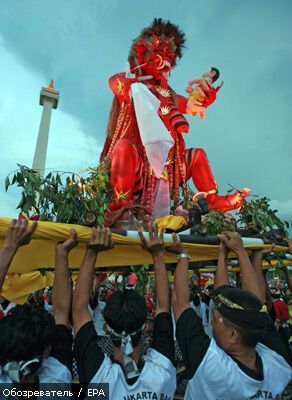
(40, 252)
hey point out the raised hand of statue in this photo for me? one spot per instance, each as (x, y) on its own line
(19, 233)
(194, 109)
(101, 239)
(121, 85)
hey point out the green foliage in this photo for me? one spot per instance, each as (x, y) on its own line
(54, 199)
(187, 198)
(258, 213)
(217, 222)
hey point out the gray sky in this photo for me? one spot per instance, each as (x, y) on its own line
(80, 44)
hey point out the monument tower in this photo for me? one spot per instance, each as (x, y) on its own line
(49, 98)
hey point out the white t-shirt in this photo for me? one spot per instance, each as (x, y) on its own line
(51, 371)
(220, 378)
(158, 376)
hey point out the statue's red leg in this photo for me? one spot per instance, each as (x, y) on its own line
(199, 169)
(124, 165)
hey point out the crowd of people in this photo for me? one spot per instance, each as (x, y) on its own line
(233, 342)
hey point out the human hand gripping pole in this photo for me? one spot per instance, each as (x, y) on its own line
(19, 233)
(62, 288)
(100, 240)
(221, 276)
(233, 241)
(181, 293)
(155, 246)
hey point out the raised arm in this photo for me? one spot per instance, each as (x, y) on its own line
(221, 277)
(18, 234)
(100, 241)
(257, 259)
(155, 246)
(250, 282)
(181, 291)
(62, 288)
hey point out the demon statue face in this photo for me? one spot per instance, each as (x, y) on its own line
(156, 50)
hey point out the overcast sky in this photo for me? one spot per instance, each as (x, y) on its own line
(80, 44)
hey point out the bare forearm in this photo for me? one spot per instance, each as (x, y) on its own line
(221, 277)
(84, 281)
(257, 265)
(181, 292)
(161, 284)
(6, 257)
(249, 277)
(62, 288)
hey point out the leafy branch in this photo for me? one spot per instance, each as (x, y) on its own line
(54, 198)
(258, 214)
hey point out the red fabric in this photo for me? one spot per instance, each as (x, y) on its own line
(132, 279)
(150, 302)
(108, 294)
(282, 312)
(120, 85)
(182, 103)
(102, 277)
(124, 165)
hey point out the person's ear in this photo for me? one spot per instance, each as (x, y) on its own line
(234, 336)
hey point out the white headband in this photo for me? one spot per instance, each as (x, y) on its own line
(15, 370)
(131, 368)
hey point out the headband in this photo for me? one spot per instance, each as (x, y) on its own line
(16, 370)
(249, 319)
(131, 368)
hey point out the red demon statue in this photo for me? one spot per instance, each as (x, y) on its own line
(149, 160)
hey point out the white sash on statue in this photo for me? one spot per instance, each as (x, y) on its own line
(157, 142)
(155, 137)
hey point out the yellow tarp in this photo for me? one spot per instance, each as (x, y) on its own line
(17, 287)
(173, 222)
(41, 251)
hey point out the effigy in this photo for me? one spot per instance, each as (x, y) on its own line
(148, 166)
(149, 162)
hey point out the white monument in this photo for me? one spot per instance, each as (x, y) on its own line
(49, 98)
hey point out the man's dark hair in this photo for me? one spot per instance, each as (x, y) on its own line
(216, 75)
(247, 300)
(26, 332)
(126, 312)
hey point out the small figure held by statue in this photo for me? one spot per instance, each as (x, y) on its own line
(204, 93)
